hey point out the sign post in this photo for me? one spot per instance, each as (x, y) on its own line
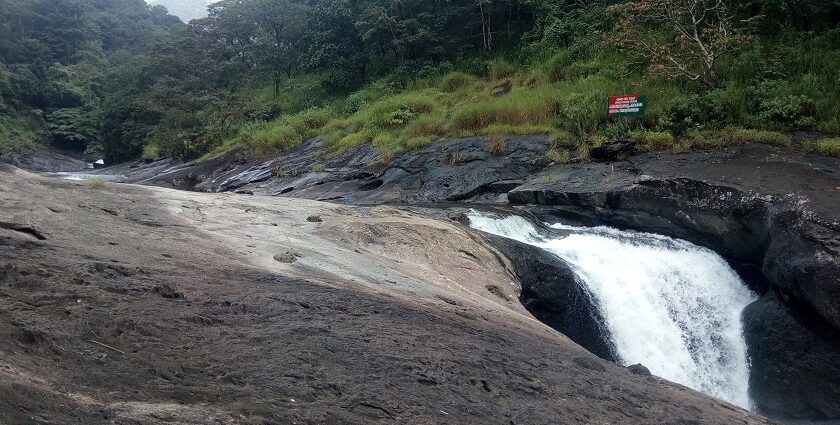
(633, 105)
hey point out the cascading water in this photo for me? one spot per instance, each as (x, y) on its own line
(668, 304)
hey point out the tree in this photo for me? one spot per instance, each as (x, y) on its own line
(678, 38)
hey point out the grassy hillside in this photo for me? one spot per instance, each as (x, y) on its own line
(268, 74)
(566, 94)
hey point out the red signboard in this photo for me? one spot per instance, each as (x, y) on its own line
(632, 105)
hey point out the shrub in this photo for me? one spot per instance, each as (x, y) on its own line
(778, 109)
(760, 136)
(653, 140)
(426, 126)
(497, 145)
(150, 151)
(555, 68)
(455, 81)
(394, 112)
(97, 183)
(559, 156)
(825, 147)
(562, 139)
(501, 69)
(526, 107)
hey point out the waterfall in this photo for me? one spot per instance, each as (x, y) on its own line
(671, 305)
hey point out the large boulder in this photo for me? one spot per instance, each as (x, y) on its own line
(795, 360)
(555, 296)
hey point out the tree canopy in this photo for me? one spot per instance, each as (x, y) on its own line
(115, 76)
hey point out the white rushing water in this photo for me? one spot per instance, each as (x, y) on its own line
(671, 305)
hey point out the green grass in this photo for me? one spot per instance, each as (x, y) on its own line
(774, 138)
(456, 80)
(20, 134)
(825, 147)
(284, 133)
(150, 151)
(523, 106)
(653, 140)
(559, 156)
(501, 69)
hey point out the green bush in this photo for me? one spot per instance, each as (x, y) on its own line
(555, 67)
(150, 151)
(653, 140)
(501, 69)
(455, 81)
(559, 156)
(825, 147)
(760, 136)
(778, 108)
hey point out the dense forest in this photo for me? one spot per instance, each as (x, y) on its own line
(124, 80)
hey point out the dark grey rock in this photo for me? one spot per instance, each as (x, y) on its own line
(614, 149)
(555, 296)
(314, 219)
(639, 369)
(460, 218)
(360, 175)
(795, 360)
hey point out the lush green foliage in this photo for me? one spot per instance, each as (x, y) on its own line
(55, 57)
(125, 79)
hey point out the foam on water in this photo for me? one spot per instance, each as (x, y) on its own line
(671, 305)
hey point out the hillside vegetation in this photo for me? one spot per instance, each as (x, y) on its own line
(268, 74)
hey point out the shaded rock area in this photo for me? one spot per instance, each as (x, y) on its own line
(614, 149)
(48, 160)
(555, 296)
(795, 367)
(189, 320)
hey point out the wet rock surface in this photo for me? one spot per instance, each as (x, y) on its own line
(795, 360)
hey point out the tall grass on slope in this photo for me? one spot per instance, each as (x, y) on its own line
(283, 133)
(521, 107)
